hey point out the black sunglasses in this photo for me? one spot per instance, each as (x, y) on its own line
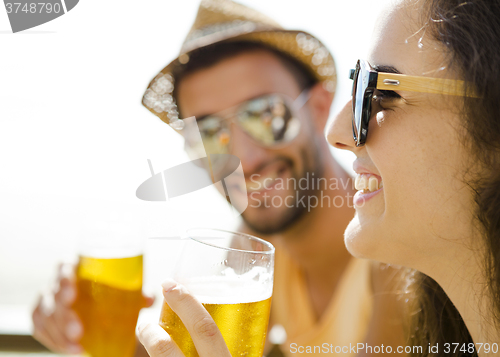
(367, 80)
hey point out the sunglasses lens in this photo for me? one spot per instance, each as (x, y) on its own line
(361, 105)
(215, 135)
(358, 110)
(357, 103)
(354, 77)
(269, 120)
(207, 136)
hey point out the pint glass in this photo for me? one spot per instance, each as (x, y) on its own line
(231, 274)
(109, 295)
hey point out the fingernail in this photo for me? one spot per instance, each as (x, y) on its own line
(73, 330)
(168, 285)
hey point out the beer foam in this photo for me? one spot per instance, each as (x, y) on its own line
(231, 288)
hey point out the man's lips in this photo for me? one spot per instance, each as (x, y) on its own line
(262, 182)
(266, 179)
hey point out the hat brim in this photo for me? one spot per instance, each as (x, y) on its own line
(300, 45)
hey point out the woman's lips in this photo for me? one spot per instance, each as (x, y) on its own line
(360, 198)
(368, 185)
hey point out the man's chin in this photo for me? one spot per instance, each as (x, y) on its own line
(272, 220)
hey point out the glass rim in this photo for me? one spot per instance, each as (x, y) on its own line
(251, 237)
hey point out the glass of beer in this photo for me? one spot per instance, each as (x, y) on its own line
(231, 274)
(109, 293)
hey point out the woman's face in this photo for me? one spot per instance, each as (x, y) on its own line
(414, 147)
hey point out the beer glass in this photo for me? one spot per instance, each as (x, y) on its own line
(109, 293)
(231, 274)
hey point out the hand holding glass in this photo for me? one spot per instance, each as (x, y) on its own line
(231, 274)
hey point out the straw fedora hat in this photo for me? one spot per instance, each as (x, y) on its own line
(225, 20)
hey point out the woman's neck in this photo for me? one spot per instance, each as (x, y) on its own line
(463, 280)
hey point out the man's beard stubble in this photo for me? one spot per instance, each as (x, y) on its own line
(292, 215)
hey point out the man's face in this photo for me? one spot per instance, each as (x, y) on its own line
(270, 173)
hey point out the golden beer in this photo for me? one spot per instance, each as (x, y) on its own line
(109, 297)
(231, 274)
(242, 325)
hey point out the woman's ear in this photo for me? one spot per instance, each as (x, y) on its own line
(319, 106)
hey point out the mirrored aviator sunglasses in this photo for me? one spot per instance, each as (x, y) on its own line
(367, 80)
(271, 120)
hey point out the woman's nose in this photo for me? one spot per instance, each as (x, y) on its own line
(339, 132)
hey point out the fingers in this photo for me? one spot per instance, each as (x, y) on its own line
(39, 331)
(65, 293)
(157, 342)
(202, 328)
(65, 276)
(56, 325)
(148, 301)
(51, 333)
(69, 320)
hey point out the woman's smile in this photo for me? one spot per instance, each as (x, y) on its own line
(368, 185)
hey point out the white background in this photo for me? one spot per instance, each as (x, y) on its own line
(74, 137)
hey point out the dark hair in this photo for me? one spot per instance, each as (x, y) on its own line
(208, 56)
(434, 318)
(469, 30)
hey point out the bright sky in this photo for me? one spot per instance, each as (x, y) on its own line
(75, 138)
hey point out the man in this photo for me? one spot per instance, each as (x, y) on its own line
(263, 94)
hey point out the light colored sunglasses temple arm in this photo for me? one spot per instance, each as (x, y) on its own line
(302, 99)
(392, 81)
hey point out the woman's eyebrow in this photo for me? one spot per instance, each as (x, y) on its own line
(386, 69)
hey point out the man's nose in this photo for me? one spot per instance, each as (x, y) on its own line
(339, 132)
(251, 154)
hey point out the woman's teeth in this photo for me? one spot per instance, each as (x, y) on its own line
(367, 183)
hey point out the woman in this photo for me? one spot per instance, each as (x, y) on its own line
(435, 157)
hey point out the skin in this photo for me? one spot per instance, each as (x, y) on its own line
(422, 218)
(309, 237)
(203, 330)
(59, 328)
(206, 91)
(55, 324)
(314, 240)
(209, 342)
